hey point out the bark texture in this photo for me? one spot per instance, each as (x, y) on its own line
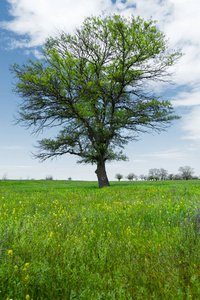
(101, 175)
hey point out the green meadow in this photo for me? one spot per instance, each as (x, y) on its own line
(63, 240)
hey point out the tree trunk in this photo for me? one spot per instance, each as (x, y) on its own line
(101, 175)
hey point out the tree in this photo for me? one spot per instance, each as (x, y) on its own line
(170, 176)
(143, 177)
(163, 174)
(119, 176)
(186, 172)
(131, 176)
(49, 177)
(177, 177)
(93, 86)
(154, 174)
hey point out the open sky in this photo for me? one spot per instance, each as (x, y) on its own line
(24, 26)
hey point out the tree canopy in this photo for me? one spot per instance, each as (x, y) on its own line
(186, 172)
(93, 85)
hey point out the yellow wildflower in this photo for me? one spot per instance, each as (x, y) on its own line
(10, 252)
(26, 278)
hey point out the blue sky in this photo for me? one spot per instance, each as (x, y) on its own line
(24, 26)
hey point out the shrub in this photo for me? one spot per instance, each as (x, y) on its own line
(49, 177)
(119, 176)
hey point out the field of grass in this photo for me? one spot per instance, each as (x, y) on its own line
(63, 240)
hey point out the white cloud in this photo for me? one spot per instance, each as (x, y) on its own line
(179, 20)
(139, 161)
(168, 154)
(184, 23)
(15, 167)
(38, 19)
(191, 125)
(190, 98)
(11, 148)
(37, 53)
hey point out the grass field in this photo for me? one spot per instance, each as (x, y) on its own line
(63, 240)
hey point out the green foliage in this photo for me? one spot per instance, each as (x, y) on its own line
(94, 86)
(119, 176)
(131, 176)
(49, 177)
(70, 240)
(186, 172)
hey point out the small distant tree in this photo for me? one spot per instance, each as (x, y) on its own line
(131, 176)
(136, 177)
(143, 177)
(154, 174)
(163, 174)
(186, 172)
(158, 174)
(49, 177)
(151, 177)
(177, 177)
(4, 176)
(170, 176)
(119, 176)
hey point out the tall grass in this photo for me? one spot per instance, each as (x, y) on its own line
(70, 240)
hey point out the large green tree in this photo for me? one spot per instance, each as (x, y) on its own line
(94, 86)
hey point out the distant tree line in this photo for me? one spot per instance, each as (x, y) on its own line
(185, 173)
